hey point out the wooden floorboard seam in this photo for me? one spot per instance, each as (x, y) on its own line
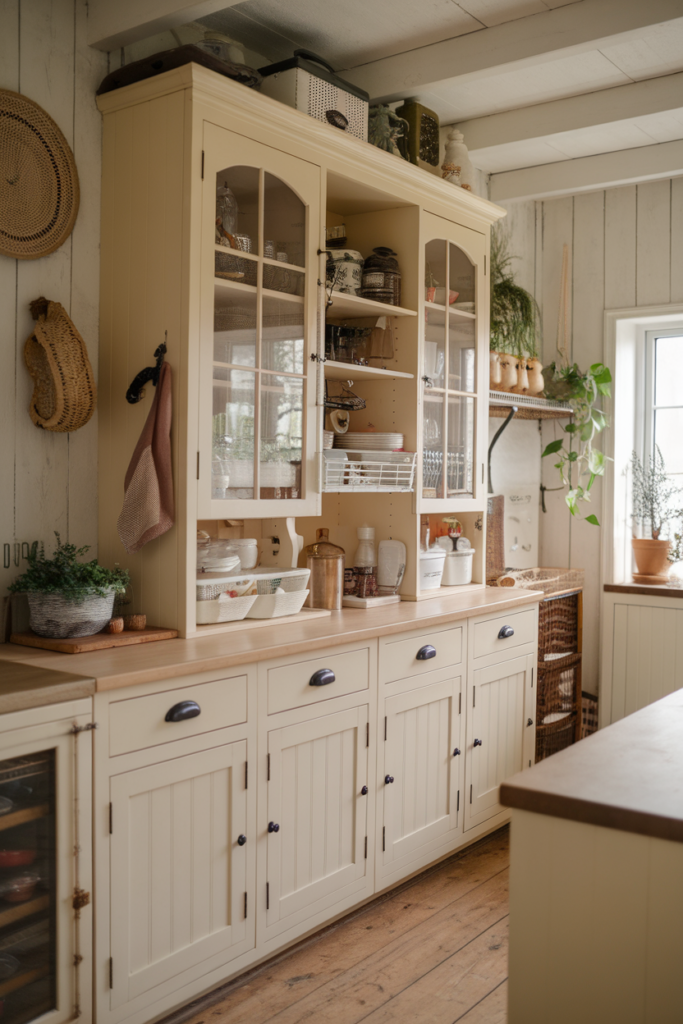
(465, 1015)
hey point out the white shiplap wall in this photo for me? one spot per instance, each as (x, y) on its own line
(626, 249)
(48, 481)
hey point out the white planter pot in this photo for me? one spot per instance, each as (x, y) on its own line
(57, 617)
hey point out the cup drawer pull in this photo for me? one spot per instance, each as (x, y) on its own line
(426, 652)
(323, 677)
(181, 712)
(505, 632)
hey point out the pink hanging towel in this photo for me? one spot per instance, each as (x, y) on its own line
(148, 509)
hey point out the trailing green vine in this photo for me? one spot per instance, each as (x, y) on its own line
(579, 462)
(515, 316)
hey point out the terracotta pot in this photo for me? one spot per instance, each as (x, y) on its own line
(535, 371)
(430, 293)
(651, 557)
(522, 386)
(508, 369)
(494, 371)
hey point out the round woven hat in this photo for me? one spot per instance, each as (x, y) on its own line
(39, 191)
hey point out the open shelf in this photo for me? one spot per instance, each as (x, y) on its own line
(529, 407)
(353, 371)
(223, 288)
(345, 306)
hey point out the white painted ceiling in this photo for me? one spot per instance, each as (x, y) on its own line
(353, 33)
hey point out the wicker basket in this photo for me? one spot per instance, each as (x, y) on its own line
(232, 610)
(555, 736)
(589, 714)
(559, 621)
(234, 318)
(558, 687)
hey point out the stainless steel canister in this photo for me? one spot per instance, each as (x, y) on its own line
(326, 562)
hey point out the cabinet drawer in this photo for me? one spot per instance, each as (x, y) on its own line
(290, 686)
(398, 657)
(141, 721)
(487, 638)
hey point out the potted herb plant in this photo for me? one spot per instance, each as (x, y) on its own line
(653, 497)
(515, 327)
(68, 597)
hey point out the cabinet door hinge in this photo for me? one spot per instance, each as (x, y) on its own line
(203, 174)
(81, 899)
(111, 972)
(366, 847)
(384, 830)
(367, 734)
(530, 764)
(474, 696)
(460, 703)
(385, 727)
(268, 775)
(246, 775)
(198, 465)
(267, 895)
(532, 679)
(88, 727)
(484, 253)
(470, 792)
(111, 818)
(245, 906)
(457, 805)
(482, 472)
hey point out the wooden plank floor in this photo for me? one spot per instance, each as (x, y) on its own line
(432, 952)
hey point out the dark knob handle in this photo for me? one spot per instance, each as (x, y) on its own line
(529, 721)
(426, 652)
(388, 779)
(272, 827)
(323, 677)
(364, 791)
(477, 743)
(505, 632)
(180, 712)
(241, 840)
(456, 752)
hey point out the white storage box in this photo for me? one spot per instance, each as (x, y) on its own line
(308, 83)
(224, 609)
(272, 606)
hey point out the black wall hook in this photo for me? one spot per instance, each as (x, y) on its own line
(136, 390)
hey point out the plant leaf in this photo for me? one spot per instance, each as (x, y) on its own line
(553, 447)
(593, 520)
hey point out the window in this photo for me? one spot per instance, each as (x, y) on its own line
(663, 399)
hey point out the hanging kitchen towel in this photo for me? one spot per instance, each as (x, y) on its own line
(148, 502)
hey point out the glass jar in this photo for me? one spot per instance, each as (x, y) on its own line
(382, 277)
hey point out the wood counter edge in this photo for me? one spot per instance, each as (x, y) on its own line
(179, 667)
(585, 812)
(643, 590)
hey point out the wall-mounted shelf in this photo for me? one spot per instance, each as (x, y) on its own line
(345, 306)
(369, 472)
(528, 407)
(352, 371)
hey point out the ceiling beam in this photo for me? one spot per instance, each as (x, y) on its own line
(589, 173)
(115, 23)
(624, 102)
(574, 28)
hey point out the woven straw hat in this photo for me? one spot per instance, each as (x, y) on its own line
(64, 391)
(39, 191)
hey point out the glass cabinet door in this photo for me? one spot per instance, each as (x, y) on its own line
(450, 366)
(258, 228)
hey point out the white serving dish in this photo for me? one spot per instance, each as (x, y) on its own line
(224, 609)
(431, 568)
(272, 606)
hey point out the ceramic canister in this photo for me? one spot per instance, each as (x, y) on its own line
(457, 569)
(345, 270)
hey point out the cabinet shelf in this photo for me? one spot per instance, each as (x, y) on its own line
(457, 314)
(528, 407)
(21, 980)
(223, 288)
(351, 371)
(23, 815)
(21, 910)
(345, 306)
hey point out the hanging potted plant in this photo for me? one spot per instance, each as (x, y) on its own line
(67, 597)
(653, 495)
(515, 327)
(578, 461)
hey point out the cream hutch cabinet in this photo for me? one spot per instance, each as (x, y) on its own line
(244, 325)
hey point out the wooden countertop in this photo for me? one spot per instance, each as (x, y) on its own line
(25, 686)
(643, 589)
(168, 659)
(628, 776)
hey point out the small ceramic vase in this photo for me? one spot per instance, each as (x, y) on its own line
(494, 371)
(508, 372)
(135, 622)
(457, 156)
(115, 625)
(535, 372)
(522, 385)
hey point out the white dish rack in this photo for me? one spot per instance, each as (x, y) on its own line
(368, 471)
(256, 597)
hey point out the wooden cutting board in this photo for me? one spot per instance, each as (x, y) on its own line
(97, 642)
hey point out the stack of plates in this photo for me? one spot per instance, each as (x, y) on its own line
(369, 441)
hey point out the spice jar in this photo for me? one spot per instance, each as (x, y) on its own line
(382, 277)
(326, 582)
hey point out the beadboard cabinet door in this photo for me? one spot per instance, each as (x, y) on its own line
(317, 820)
(499, 741)
(179, 871)
(419, 777)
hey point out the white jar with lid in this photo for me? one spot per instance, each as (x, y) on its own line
(457, 571)
(431, 567)
(247, 549)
